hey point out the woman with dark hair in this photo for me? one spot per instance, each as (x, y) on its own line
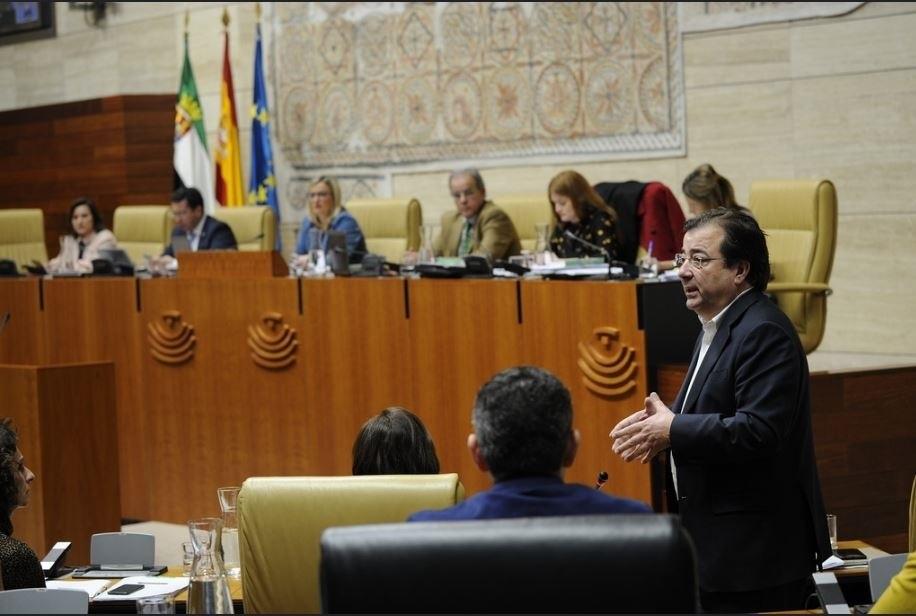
(579, 211)
(18, 562)
(87, 237)
(394, 442)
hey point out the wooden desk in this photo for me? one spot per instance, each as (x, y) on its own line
(181, 599)
(218, 380)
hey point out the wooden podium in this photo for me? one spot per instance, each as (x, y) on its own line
(231, 264)
(68, 434)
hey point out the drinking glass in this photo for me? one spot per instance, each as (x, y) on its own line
(228, 504)
(160, 604)
(427, 255)
(831, 528)
(187, 558)
(541, 245)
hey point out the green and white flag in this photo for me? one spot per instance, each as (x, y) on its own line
(191, 159)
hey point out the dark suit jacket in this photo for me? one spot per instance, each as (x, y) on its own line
(533, 497)
(749, 493)
(215, 235)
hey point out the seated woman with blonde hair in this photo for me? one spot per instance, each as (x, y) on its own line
(705, 189)
(579, 211)
(326, 213)
(88, 236)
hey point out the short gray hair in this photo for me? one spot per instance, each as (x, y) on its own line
(471, 171)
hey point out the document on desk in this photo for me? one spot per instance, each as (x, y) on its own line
(90, 587)
(152, 586)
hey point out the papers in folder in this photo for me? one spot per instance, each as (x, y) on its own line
(90, 587)
(152, 586)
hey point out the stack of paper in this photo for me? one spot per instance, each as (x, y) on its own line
(152, 586)
(90, 587)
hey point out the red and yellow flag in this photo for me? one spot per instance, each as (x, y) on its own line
(229, 183)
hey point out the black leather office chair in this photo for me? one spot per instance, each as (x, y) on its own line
(615, 563)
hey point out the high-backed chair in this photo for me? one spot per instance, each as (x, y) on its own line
(254, 227)
(22, 235)
(142, 229)
(390, 226)
(281, 520)
(587, 564)
(648, 216)
(44, 601)
(800, 219)
(527, 211)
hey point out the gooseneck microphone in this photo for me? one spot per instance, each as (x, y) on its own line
(602, 479)
(629, 270)
(601, 249)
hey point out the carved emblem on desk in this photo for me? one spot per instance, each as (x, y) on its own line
(171, 340)
(273, 343)
(607, 372)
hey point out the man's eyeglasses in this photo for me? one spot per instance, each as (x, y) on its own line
(467, 194)
(696, 261)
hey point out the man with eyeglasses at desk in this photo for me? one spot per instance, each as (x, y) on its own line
(739, 432)
(477, 226)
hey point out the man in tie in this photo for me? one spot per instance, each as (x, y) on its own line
(739, 432)
(477, 226)
(203, 232)
(524, 438)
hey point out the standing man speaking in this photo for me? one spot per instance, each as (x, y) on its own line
(739, 432)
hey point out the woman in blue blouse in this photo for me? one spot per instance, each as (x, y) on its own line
(327, 214)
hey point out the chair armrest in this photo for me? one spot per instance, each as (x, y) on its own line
(816, 288)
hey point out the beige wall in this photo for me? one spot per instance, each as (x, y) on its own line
(827, 98)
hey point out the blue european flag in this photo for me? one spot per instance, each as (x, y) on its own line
(262, 186)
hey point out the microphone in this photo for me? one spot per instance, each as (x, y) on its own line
(602, 479)
(629, 270)
(600, 249)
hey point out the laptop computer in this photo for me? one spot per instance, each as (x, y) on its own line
(336, 251)
(180, 243)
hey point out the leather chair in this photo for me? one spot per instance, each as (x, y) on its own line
(142, 230)
(587, 564)
(390, 226)
(22, 236)
(647, 213)
(281, 520)
(254, 227)
(526, 211)
(800, 220)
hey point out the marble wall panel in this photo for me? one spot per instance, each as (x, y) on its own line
(871, 308)
(758, 54)
(854, 45)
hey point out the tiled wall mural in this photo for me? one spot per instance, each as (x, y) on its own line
(393, 83)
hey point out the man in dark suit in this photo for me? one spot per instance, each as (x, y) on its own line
(739, 432)
(523, 436)
(203, 232)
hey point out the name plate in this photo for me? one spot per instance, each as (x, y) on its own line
(223, 264)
